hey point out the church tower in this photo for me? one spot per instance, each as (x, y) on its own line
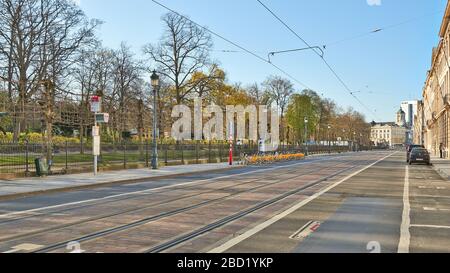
(401, 118)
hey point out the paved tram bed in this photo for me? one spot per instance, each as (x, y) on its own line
(362, 202)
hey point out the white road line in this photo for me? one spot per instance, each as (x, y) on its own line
(224, 247)
(6, 215)
(405, 236)
(23, 247)
(431, 226)
(11, 251)
(434, 209)
(431, 196)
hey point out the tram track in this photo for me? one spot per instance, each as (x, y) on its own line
(165, 202)
(209, 227)
(153, 191)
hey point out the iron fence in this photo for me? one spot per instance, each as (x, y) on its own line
(19, 158)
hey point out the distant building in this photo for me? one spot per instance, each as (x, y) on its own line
(401, 118)
(410, 109)
(388, 134)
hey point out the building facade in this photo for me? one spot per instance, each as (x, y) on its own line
(388, 134)
(435, 110)
(419, 125)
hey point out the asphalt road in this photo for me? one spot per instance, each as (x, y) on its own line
(364, 202)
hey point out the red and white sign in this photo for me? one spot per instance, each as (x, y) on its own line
(96, 104)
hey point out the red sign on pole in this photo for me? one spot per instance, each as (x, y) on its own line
(95, 104)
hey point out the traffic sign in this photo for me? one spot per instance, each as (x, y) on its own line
(102, 118)
(96, 104)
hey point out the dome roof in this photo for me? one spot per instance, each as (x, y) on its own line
(400, 112)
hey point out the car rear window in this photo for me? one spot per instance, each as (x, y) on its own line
(418, 150)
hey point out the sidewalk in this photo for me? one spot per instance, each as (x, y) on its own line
(442, 166)
(34, 186)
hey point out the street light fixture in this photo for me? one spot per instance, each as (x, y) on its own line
(155, 84)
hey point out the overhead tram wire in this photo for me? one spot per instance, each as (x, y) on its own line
(321, 57)
(381, 29)
(234, 44)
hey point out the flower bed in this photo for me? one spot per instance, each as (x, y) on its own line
(267, 159)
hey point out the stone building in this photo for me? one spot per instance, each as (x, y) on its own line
(436, 95)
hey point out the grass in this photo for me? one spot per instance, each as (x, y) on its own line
(134, 156)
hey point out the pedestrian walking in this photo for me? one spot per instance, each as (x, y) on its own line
(441, 150)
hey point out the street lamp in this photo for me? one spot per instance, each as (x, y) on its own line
(329, 139)
(306, 136)
(155, 84)
(345, 139)
(360, 141)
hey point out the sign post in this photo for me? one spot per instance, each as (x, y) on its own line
(230, 160)
(95, 107)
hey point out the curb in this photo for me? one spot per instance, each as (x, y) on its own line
(106, 184)
(441, 173)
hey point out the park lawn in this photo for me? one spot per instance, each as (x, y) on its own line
(135, 156)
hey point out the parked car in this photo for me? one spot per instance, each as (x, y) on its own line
(419, 155)
(410, 148)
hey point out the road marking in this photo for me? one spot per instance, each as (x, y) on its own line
(405, 236)
(224, 247)
(432, 188)
(23, 247)
(160, 188)
(306, 230)
(431, 226)
(431, 196)
(434, 209)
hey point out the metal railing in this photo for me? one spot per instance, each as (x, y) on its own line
(19, 158)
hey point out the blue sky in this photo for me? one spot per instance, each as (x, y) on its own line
(392, 63)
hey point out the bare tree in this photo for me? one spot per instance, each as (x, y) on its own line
(126, 73)
(91, 76)
(279, 91)
(39, 41)
(257, 93)
(183, 50)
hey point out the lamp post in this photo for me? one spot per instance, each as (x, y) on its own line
(306, 136)
(344, 139)
(360, 141)
(329, 139)
(155, 84)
